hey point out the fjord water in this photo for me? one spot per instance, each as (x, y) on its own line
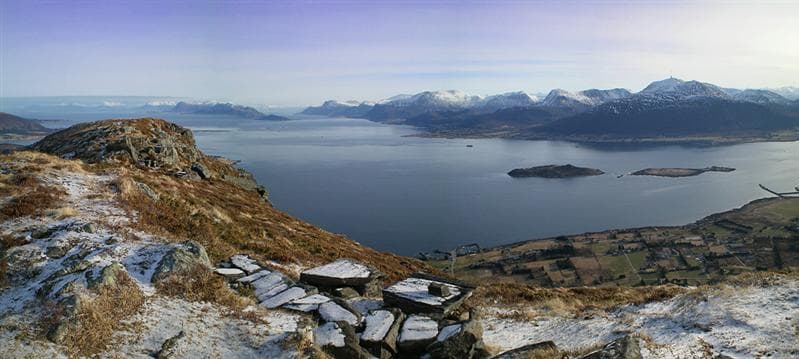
(407, 194)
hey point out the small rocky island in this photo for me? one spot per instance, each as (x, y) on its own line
(555, 171)
(680, 172)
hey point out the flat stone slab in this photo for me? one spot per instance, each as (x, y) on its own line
(267, 283)
(417, 333)
(272, 292)
(418, 327)
(284, 297)
(449, 331)
(307, 304)
(413, 296)
(342, 272)
(416, 289)
(377, 325)
(328, 334)
(333, 312)
(253, 277)
(245, 263)
(229, 272)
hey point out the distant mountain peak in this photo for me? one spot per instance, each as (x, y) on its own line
(683, 89)
(666, 85)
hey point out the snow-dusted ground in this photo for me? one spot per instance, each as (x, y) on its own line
(742, 322)
(209, 330)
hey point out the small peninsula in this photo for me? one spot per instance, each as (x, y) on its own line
(680, 172)
(555, 171)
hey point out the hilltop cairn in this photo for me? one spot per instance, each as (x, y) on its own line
(357, 318)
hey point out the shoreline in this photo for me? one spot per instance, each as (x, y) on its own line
(697, 141)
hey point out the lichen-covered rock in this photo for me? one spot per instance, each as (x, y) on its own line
(183, 257)
(168, 347)
(108, 276)
(70, 305)
(23, 263)
(623, 348)
(535, 350)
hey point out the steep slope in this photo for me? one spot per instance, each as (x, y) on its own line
(507, 118)
(763, 97)
(202, 197)
(582, 100)
(643, 116)
(10, 124)
(789, 92)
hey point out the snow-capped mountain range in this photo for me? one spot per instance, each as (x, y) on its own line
(670, 89)
(671, 105)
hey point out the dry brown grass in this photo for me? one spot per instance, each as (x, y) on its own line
(228, 220)
(565, 301)
(98, 316)
(3, 273)
(34, 201)
(62, 212)
(200, 284)
(36, 162)
(28, 195)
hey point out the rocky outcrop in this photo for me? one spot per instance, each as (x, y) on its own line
(148, 143)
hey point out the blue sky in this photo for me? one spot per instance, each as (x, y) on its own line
(295, 53)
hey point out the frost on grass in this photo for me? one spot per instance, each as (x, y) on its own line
(209, 332)
(737, 321)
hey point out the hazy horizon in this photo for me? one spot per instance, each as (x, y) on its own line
(294, 54)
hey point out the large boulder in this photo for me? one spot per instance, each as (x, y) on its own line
(623, 348)
(339, 340)
(458, 340)
(186, 256)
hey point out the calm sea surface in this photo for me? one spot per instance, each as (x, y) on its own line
(407, 194)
